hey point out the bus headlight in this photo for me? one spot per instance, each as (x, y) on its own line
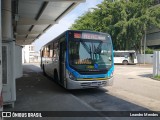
(71, 76)
(112, 74)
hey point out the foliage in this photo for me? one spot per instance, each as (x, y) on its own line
(149, 51)
(157, 77)
(125, 20)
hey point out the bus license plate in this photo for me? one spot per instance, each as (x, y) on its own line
(94, 84)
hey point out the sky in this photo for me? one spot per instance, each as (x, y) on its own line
(65, 23)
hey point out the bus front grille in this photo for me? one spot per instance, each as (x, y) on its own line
(93, 84)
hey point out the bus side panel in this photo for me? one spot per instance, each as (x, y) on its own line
(119, 59)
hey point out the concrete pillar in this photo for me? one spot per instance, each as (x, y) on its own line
(9, 91)
(156, 63)
(7, 30)
(0, 51)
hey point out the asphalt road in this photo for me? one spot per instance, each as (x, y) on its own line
(135, 84)
(133, 90)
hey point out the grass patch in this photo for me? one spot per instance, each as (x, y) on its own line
(157, 77)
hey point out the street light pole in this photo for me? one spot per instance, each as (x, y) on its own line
(144, 58)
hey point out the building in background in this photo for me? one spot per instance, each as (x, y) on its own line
(29, 55)
(153, 33)
(157, 1)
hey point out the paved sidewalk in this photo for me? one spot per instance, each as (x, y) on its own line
(36, 92)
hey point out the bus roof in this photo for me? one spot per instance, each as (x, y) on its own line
(62, 34)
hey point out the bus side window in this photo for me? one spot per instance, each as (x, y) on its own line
(116, 54)
(134, 55)
(126, 56)
(41, 52)
(51, 51)
(45, 52)
(48, 50)
(55, 52)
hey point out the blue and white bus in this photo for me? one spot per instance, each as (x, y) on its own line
(79, 59)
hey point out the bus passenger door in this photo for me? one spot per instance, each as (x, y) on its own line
(131, 57)
(62, 62)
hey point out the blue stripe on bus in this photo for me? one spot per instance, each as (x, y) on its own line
(77, 75)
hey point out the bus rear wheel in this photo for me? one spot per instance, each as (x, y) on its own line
(44, 70)
(55, 76)
(125, 62)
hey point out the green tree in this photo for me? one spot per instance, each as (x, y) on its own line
(125, 20)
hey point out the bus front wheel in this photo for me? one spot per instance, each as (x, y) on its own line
(125, 62)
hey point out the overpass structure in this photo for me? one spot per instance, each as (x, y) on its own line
(153, 38)
(153, 33)
(21, 23)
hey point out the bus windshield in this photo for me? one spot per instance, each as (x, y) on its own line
(90, 55)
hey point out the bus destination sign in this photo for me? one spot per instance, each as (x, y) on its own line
(93, 36)
(90, 36)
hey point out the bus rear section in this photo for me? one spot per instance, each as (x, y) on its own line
(125, 57)
(84, 60)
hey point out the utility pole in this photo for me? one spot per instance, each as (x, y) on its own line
(144, 58)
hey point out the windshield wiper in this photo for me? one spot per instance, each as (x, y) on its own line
(86, 47)
(98, 49)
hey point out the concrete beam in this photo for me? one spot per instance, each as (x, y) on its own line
(153, 30)
(57, 0)
(28, 32)
(24, 38)
(23, 42)
(27, 21)
(7, 32)
(153, 42)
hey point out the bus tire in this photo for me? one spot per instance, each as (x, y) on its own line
(44, 73)
(125, 62)
(55, 76)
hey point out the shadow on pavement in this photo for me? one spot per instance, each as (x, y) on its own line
(146, 75)
(35, 92)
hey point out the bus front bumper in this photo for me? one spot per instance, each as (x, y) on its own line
(71, 84)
